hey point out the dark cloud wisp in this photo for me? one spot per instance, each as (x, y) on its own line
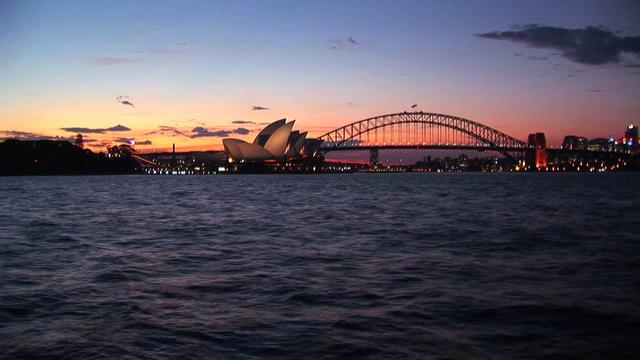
(21, 135)
(84, 130)
(117, 128)
(203, 132)
(29, 136)
(123, 140)
(167, 129)
(590, 45)
(259, 108)
(131, 141)
(25, 135)
(124, 100)
(350, 41)
(100, 145)
(242, 122)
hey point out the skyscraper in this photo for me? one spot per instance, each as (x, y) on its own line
(537, 154)
(631, 134)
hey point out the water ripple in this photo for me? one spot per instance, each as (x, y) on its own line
(360, 265)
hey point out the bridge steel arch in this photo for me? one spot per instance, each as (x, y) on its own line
(470, 134)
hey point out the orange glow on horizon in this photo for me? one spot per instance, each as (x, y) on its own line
(145, 125)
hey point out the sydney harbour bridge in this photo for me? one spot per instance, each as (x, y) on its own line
(415, 130)
(420, 130)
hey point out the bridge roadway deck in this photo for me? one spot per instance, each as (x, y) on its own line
(419, 147)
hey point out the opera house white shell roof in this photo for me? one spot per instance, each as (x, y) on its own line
(276, 141)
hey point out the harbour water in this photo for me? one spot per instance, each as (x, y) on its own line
(306, 266)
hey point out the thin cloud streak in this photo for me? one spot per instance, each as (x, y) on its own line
(113, 61)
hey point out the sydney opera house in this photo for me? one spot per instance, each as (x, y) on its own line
(276, 142)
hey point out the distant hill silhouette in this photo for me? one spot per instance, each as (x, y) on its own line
(49, 157)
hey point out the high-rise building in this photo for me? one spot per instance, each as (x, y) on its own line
(631, 134)
(537, 154)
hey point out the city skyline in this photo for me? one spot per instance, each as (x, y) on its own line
(195, 73)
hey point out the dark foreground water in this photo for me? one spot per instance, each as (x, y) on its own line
(359, 265)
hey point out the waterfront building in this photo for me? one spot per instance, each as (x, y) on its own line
(573, 142)
(599, 144)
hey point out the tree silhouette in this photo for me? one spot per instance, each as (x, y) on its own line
(79, 141)
(120, 151)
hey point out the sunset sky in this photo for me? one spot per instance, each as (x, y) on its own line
(191, 72)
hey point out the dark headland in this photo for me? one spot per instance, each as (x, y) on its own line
(51, 157)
